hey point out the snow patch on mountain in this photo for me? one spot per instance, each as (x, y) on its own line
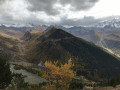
(17, 25)
(111, 22)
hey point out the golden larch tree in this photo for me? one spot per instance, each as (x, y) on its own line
(61, 75)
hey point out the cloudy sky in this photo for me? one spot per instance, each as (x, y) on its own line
(63, 12)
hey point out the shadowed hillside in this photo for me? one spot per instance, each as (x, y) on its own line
(57, 44)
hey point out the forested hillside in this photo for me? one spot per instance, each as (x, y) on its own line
(90, 60)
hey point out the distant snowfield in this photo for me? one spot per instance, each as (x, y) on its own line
(30, 78)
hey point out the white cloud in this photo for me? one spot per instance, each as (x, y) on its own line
(105, 8)
(19, 11)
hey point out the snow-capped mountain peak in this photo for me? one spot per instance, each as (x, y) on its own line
(113, 22)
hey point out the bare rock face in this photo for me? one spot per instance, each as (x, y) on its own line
(27, 36)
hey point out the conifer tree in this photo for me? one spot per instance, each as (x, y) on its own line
(5, 74)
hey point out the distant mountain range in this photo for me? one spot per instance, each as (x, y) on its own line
(105, 33)
(108, 38)
(17, 25)
(111, 22)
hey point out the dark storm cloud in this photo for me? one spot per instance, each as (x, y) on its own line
(79, 4)
(8, 15)
(84, 21)
(43, 5)
(48, 5)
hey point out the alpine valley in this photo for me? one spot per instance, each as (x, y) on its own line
(94, 50)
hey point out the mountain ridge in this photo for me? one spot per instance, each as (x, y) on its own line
(57, 44)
